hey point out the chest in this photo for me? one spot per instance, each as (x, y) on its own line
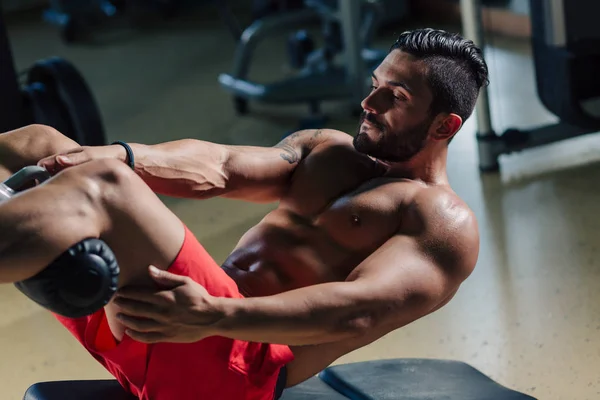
(343, 194)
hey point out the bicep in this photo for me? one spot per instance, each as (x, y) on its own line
(257, 173)
(264, 173)
(402, 282)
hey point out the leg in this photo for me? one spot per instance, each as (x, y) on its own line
(106, 199)
(27, 145)
(102, 199)
(98, 199)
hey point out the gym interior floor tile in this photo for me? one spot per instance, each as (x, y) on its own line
(529, 316)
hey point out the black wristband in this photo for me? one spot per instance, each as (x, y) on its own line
(129, 159)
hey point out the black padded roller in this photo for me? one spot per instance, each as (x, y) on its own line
(78, 283)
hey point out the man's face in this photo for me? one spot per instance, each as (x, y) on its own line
(395, 122)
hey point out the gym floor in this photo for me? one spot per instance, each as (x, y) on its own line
(529, 316)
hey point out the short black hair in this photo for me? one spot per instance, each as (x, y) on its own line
(456, 68)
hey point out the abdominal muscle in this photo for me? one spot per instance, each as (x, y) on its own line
(285, 252)
(281, 253)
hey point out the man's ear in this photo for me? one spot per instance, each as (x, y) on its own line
(446, 126)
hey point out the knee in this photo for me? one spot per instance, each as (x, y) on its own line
(103, 178)
(113, 172)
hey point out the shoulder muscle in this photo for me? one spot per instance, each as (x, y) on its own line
(446, 230)
(299, 144)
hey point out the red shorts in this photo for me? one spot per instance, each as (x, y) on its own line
(214, 368)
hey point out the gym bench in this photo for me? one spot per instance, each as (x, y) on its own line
(395, 379)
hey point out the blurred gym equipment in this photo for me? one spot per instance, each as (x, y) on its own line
(77, 18)
(566, 53)
(53, 93)
(74, 17)
(339, 70)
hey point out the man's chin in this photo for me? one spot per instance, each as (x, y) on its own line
(362, 143)
(365, 146)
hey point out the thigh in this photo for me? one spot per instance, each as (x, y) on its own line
(140, 229)
(101, 199)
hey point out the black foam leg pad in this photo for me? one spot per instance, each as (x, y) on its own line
(78, 283)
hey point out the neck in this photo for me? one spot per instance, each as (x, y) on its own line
(429, 166)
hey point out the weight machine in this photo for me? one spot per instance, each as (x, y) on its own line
(566, 52)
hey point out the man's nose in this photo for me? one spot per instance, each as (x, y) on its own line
(374, 103)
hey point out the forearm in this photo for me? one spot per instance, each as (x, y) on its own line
(197, 169)
(183, 168)
(312, 315)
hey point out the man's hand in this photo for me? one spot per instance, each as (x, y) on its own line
(179, 310)
(410, 275)
(58, 162)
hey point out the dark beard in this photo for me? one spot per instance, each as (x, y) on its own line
(399, 147)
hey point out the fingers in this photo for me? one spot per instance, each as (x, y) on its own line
(146, 337)
(50, 164)
(145, 295)
(140, 309)
(166, 280)
(58, 162)
(139, 324)
(138, 294)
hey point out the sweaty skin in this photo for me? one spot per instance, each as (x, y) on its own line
(337, 207)
(355, 248)
(329, 219)
(340, 208)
